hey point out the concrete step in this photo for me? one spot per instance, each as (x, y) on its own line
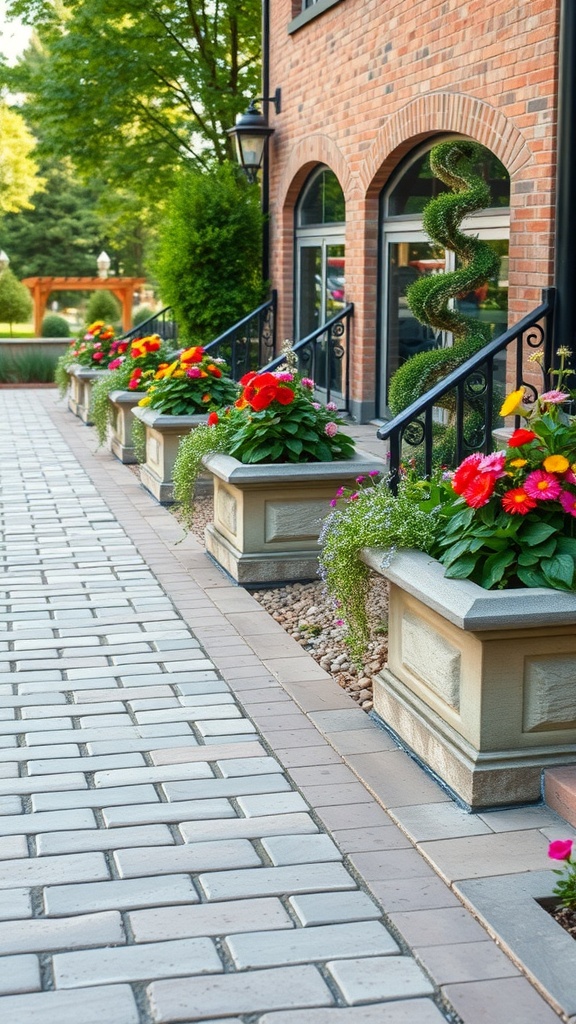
(560, 791)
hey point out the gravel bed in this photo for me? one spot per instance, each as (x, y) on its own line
(308, 615)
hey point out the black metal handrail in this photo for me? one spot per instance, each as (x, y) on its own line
(473, 386)
(250, 342)
(324, 356)
(161, 323)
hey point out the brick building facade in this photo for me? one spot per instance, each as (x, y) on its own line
(367, 87)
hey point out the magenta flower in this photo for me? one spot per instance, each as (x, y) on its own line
(374, 472)
(285, 376)
(554, 397)
(115, 363)
(98, 356)
(193, 371)
(333, 502)
(338, 622)
(354, 497)
(339, 492)
(360, 479)
(568, 502)
(560, 849)
(331, 429)
(542, 485)
(307, 382)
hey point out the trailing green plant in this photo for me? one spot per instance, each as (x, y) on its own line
(202, 441)
(428, 297)
(100, 408)
(372, 516)
(139, 440)
(54, 326)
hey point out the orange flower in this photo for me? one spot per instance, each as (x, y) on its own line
(192, 355)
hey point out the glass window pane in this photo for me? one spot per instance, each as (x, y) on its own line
(310, 289)
(418, 185)
(407, 261)
(323, 201)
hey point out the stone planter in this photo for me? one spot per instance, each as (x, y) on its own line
(121, 442)
(82, 381)
(267, 518)
(163, 434)
(479, 684)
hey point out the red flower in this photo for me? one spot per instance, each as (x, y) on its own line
(284, 395)
(520, 437)
(560, 849)
(479, 490)
(248, 377)
(517, 502)
(213, 419)
(466, 472)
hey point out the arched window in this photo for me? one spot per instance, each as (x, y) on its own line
(408, 253)
(320, 258)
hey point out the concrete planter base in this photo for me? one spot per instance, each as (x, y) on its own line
(121, 442)
(82, 381)
(163, 434)
(479, 684)
(267, 518)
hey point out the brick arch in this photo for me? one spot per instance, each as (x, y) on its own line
(307, 154)
(438, 112)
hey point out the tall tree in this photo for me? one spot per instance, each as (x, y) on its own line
(131, 89)
(18, 170)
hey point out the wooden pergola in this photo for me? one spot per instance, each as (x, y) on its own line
(122, 287)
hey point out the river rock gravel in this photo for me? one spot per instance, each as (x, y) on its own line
(306, 612)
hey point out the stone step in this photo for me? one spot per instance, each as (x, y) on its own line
(560, 791)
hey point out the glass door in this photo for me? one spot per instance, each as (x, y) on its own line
(321, 295)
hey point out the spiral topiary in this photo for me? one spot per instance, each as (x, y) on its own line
(451, 162)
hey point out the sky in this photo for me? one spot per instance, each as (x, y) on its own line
(13, 36)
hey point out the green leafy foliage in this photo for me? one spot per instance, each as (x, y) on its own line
(15, 300)
(102, 305)
(54, 326)
(209, 256)
(202, 441)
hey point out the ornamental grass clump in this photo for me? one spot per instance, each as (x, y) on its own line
(276, 419)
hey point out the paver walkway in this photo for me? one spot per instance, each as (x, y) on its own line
(181, 838)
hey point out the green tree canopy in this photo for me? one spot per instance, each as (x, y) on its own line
(129, 90)
(15, 300)
(18, 170)
(209, 257)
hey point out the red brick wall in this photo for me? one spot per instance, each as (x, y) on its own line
(366, 81)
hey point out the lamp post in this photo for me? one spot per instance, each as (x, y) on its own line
(103, 263)
(4, 261)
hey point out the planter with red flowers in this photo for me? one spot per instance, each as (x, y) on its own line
(276, 458)
(82, 365)
(482, 638)
(176, 402)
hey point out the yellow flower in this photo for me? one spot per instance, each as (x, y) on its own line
(512, 402)
(556, 464)
(177, 373)
(518, 463)
(145, 401)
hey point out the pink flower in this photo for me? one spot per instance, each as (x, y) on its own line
(354, 497)
(97, 356)
(560, 849)
(339, 492)
(360, 479)
(542, 485)
(374, 472)
(285, 376)
(333, 502)
(332, 407)
(115, 363)
(193, 371)
(316, 405)
(307, 382)
(493, 464)
(331, 429)
(338, 622)
(554, 397)
(568, 502)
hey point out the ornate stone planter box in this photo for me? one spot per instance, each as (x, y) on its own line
(163, 434)
(480, 684)
(82, 381)
(121, 442)
(267, 518)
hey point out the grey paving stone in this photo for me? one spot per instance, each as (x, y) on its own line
(220, 751)
(241, 741)
(223, 885)
(19, 974)
(63, 750)
(237, 993)
(13, 804)
(114, 1004)
(15, 904)
(21, 700)
(145, 743)
(39, 934)
(262, 804)
(57, 736)
(234, 767)
(237, 786)
(164, 923)
(373, 979)
(406, 1011)
(71, 710)
(201, 856)
(248, 828)
(13, 846)
(301, 849)
(437, 927)
(370, 838)
(125, 693)
(76, 764)
(267, 949)
(503, 999)
(206, 699)
(31, 824)
(124, 894)
(32, 725)
(134, 776)
(102, 839)
(333, 907)
(197, 712)
(465, 961)
(439, 821)
(93, 798)
(424, 893)
(47, 784)
(225, 728)
(136, 963)
(185, 810)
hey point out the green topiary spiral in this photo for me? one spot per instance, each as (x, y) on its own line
(452, 163)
